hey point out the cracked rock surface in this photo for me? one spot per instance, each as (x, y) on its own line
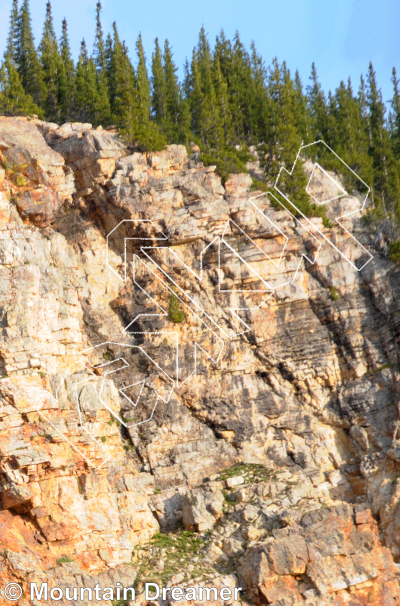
(274, 462)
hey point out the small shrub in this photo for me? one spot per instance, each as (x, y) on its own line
(228, 160)
(394, 251)
(21, 181)
(176, 314)
(327, 222)
(259, 185)
(333, 293)
(64, 560)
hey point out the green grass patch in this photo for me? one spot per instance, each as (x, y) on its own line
(252, 473)
(64, 560)
(177, 550)
(176, 314)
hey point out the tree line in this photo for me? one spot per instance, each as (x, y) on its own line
(227, 101)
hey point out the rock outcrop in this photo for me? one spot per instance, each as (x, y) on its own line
(274, 426)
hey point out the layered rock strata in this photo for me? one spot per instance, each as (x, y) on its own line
(303, 383)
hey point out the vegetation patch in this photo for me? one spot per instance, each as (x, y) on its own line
(176, 314)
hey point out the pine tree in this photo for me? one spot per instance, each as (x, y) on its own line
(300, 109)
(158, 101)
(386, 184)
(259, 101)
(99, 50)
(282, 140)
(53, 69)
(241, 87)
(14, 101)
(222, 99)
(346, 134)
(123, 92)
(67, 86)
(29, 67)
(317, 107)
(177, 118)
(395, 116)
(12, 40)
(206, 119)
(102, 113)
(146, 132)
(108, 53)
(143, 84)
(86, 93)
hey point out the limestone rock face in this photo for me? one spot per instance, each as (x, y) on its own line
(44, 179)
(117, 422)
(330, 554)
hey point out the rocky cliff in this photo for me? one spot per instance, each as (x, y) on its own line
(176, 355)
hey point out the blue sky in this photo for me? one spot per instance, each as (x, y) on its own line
(341, 36)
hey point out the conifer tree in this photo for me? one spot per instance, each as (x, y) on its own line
(300, 108)
(28, 63)
(12, 40)
(347, 135)
(222, 100)
(86, 106)
(386, 184)
(143, 84)
(100, 61)
(395, 116)
(206, 120)
(177, 117)
(281, 139)
(223, 51)
(67, 86)
(317, 108)
(146, 132)
(108, 53)
(259, 101)
(241, 91)
(14, 101)
(99, 50)
(123, 91)
(53, 69)
(158, 101)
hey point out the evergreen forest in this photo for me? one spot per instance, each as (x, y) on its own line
(228, 101)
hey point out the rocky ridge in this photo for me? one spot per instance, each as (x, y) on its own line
(305, 401)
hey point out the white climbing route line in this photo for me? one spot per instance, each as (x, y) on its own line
(157, 263)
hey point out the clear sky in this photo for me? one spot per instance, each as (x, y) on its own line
(341, 36)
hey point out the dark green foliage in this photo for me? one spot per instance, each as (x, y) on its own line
(317, 107)
(14, 101)
(27, 60)
(227, 160)
(67, 86)
(394, 251)
(333, 293)
(229, 100)
(386, 174)
(176, 314)
(64, 560)
(86, 92)
(394, 119)
(12, 40)
(54, 76)
(99, 50)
